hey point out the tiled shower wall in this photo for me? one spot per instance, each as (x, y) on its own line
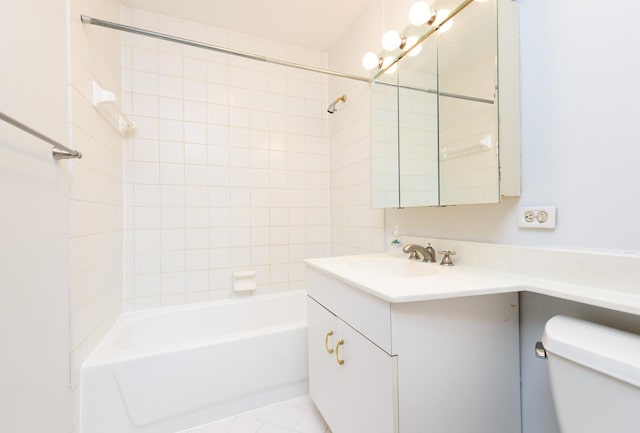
(96, 202)
(227, 167)
(356, 228)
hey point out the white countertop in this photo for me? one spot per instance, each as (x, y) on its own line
(374, 274)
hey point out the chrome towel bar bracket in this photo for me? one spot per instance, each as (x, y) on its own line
(59, 152)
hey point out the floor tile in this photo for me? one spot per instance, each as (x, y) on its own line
(298, 415)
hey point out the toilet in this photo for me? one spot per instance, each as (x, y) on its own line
(594, 373)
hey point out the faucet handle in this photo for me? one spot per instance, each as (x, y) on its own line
(430, 256)
(446, 258)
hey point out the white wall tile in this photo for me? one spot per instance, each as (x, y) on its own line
(144, 60)
(198, 281)
(170, 64)
(171, 130)
(172, 195)
(146, 195)
(173, 239)
(146, 218)
(171, 152)
(170, 108)
(197, 238)
(147, 285)
(171, 174)
(195, 69)
(172, 283)
(217, 72)
(167, 86)
(195, 153)
(196, 174)
(145, 105)
(146, 173)
(172, 217)
(196, 217)
(147, 262)
(173, 261)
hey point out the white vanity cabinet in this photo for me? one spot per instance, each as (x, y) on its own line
(442, 365)
(351, 380)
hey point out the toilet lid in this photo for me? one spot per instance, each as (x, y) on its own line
(610, 351)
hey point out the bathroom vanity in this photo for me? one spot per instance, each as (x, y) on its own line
(397, 345)
(381, 366)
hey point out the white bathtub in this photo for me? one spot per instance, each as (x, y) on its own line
(166, 370)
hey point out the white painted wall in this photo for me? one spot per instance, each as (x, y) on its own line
(62, 222)
(34, 222)
(580, 131)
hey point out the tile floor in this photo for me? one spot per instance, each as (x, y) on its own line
(292, 416)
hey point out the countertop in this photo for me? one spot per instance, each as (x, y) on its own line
(379, 275)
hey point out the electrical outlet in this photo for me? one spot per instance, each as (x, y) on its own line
(542, 217)
(529, 216)
(537, 217)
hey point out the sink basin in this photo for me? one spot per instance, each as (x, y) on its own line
(393, 267)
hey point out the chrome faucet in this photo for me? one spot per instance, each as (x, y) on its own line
(415, 251)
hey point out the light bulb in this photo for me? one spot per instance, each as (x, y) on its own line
(441, 15)
(388, 61)
(419, 13)
(411, 41)
(391, 40)
(446, 27)
(370, 61)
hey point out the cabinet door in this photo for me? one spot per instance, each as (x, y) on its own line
(322, 364)
(366, 385)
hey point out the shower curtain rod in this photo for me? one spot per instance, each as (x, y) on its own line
(59, 151)
(138, 31)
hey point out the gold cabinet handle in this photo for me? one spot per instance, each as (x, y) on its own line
(338, 360)
(326, 342)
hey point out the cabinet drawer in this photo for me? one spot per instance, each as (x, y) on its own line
(367, 314)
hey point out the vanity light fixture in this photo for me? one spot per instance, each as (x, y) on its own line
(392, 40)
(442, 15)
(371, 61)
(389, 61)
(411, 41)
(419, 14)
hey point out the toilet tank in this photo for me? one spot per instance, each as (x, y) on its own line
(594, 373)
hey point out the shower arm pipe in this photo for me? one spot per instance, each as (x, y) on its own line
(59, 151)
(424, 37)
(165, 37)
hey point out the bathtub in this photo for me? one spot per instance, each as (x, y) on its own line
(166, 370)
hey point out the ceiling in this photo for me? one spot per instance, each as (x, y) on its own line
(317, 24)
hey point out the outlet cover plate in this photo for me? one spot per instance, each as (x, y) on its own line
(539, 213)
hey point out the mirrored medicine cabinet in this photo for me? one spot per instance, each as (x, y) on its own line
(445, 125)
